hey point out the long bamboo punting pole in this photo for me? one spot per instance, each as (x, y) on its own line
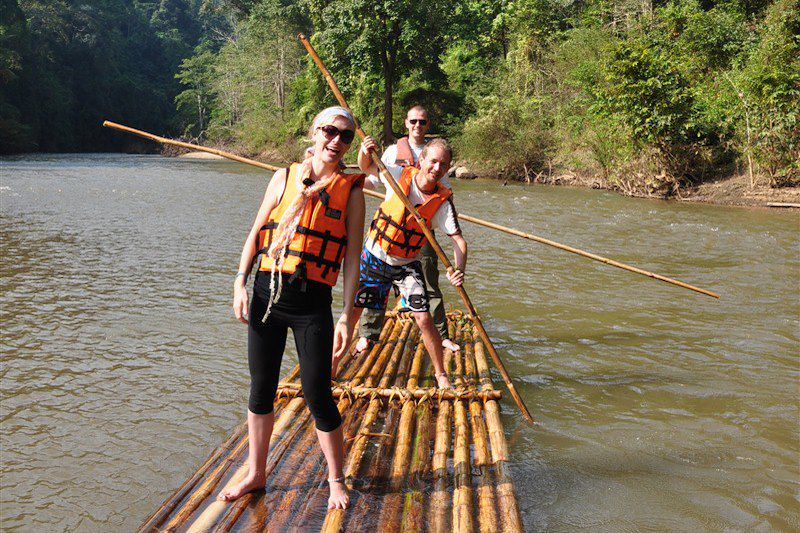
(474, 220)
(428, 234)
(507, 506)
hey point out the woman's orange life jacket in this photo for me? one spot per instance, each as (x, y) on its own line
(393, 227)
(405, 156)
(318, 246)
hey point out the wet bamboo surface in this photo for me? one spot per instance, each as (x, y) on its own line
(416, 459)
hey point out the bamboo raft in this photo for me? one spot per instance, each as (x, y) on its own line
(416, 458)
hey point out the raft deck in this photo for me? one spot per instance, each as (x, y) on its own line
(416, 458)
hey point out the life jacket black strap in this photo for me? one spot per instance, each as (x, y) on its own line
(407, 233)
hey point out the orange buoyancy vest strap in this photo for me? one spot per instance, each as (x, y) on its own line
(405, 155)
(319, 243)
(393, 227)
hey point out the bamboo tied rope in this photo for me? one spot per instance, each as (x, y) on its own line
(428, 234)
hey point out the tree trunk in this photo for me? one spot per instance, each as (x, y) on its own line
(388, 77)
(388, 63)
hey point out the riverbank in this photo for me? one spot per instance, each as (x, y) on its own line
(732, 190)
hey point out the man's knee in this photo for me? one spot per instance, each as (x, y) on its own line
(424, 320)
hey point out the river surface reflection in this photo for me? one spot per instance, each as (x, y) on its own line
(659, 408)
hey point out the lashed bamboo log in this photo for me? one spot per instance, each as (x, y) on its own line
(462, 476)
(212, 513)
(440, 516)
(487, 521)
(379, 369)
(335, 517)
(507, 507)
(416, 367)
(392, 502)
(163, 512)
(376, 473)
(413, 516)
(308, 461)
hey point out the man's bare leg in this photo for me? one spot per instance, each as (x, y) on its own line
(332, 444)
(259, 431)
(433, 343)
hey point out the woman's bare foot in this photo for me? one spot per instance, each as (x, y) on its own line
(249, 484)
(442, 382)
(447, 344)
(339, 499)
(362, 344)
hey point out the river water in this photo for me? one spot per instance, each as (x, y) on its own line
(658, 408)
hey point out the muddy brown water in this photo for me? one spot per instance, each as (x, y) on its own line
(658, 408)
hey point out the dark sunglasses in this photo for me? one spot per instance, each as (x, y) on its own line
(331, 131)
(421, 121)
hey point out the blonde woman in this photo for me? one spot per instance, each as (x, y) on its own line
(311, 218)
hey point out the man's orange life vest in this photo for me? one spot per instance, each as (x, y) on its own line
(317, 248)
(405, 155)
(393, 227)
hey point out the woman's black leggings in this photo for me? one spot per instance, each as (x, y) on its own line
(306, 308)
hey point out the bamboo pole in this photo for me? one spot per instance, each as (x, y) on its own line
(335, 517)
(393, 501)
(310, 462)
(379, 368)
(428, 234)
(413, 516)
(375, 473)
(212, 513)
(163, 512)
(440, 522)
(487, 520)
(462, 472)
(588, 255)
(507, 506)
(474, 220)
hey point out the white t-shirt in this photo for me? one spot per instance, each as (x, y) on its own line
(445, 219)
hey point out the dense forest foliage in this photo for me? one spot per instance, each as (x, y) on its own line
(647, 96)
